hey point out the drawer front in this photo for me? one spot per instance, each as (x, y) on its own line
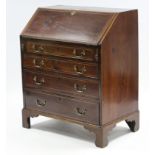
(61, 84)
(90, 54)
(62, 66)
(54, 104)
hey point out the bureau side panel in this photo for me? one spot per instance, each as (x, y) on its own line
(119, 68)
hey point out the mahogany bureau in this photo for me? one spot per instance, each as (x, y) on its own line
(81, 65)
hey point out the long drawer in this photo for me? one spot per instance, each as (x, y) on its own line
(48, 48)
(58, 65)
(54, 104)
(61, 84)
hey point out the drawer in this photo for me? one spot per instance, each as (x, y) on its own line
(47, 48)
(63, 66)
(61, 84)
(62, 106)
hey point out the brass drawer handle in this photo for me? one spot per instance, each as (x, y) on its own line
(80, 55)
(79, 70)
(40, 103)
(39, 83)
(80, 111)
(38, 49)
(79, 89)
(41, 63)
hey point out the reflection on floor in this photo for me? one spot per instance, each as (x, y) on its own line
(77, 131)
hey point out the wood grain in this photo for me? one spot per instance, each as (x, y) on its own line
(82, 67)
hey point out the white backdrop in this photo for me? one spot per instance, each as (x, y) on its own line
(56, 137)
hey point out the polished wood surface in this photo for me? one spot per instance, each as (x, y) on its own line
(61, 50)
(119, 68)
(82, 67)
(70, 67)
(82, 27)
(54, 104)
(63, 84)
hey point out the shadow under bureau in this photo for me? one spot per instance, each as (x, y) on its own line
(81, 65)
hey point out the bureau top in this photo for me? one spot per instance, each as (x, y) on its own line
(71, 24)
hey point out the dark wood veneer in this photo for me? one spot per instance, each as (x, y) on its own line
(54, 104)
(62, 84)
(81, 66)
(61, 50)
(35, 62)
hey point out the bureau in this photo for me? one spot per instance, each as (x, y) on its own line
(81, 65)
